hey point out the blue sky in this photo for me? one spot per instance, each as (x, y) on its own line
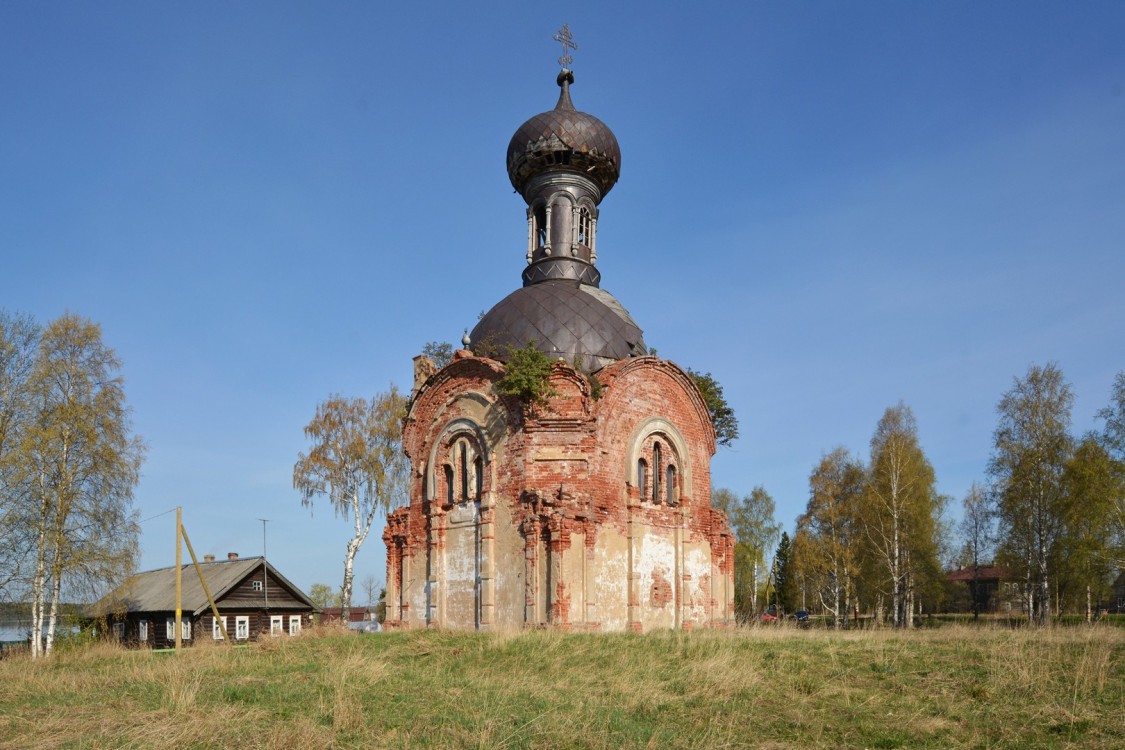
(829, 206)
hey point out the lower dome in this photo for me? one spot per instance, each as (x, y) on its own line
(565, 319)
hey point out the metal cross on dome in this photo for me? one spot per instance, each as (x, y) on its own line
(565, 38)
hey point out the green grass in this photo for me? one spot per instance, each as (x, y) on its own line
(951, 687)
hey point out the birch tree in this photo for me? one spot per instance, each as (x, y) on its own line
(755, 532)
(823, 546)
(1113, 440)
(19, 338)
(897, 517)
(1032, 445)
(1086, 556)
(355, 460)
(82, 464)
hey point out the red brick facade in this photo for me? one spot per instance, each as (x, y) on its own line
(590, 513)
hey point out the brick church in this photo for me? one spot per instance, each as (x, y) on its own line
(591, 512)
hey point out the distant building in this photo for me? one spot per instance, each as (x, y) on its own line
(359, 618)
(253, 599)
(592, 512)
(993, 588)
(1117, 606)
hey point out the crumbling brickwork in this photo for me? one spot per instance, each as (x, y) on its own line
(587, 514)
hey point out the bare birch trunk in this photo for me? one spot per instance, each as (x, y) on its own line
(53, 619)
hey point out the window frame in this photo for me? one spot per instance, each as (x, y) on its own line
(294, 625)
(242, 627)
(142, 631)
(216, 630)
(277, 625)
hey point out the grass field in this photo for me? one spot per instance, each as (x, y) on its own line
(951, 687)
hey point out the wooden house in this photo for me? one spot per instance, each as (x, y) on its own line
(992, 588)
(1117, 602)
(253, 599)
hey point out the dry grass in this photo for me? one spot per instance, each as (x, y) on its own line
(947, 688)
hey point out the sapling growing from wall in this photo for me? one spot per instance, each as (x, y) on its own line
(528, 376)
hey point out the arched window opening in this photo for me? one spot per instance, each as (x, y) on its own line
(641, 469)
(449, 484)
(464, 472)
(656, 472)
(478, 467)
(670, 484)
(540, 226)
(584, 226)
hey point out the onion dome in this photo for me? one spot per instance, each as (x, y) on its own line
(581, 323)
(565, 140)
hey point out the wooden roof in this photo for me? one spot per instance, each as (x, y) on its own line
(155, 590)
(982, 573)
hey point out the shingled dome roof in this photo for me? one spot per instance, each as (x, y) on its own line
(564, 139)
(564, 319)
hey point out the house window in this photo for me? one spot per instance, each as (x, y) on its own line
(641, 467)
(119, 631)
(242, 627)
(670, 484)
(170, 628)
(218, 625)
(185, 630)
(276, 625)
(256, 585)
(294, 624)
(448, 484)
(656, 473)
(142, 631)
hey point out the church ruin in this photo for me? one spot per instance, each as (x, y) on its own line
(591, 512)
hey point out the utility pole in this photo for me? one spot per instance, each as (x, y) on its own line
(179, 576)
(265, 580)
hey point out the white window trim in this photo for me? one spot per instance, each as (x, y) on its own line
(242, 628)
(216, 631)
(294, 625)
(119, 631)
(185, 629)
(170, 628)
(276, 625)
(142, 631)
(256, 585)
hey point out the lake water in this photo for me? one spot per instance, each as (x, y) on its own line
(17, 631)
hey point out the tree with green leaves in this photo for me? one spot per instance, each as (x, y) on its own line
(1112, 439)
(784, 581)
(82, 463)
(1086, 558)
(19, 341)
(722, 415)
(356, 460)
(323, 595)
(1032, 445)
(438, 352)
(824, 548)
(897, 515)
(755, 531)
